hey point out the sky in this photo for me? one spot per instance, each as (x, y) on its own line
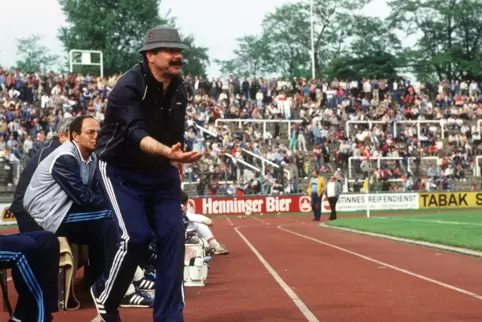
(214, 23)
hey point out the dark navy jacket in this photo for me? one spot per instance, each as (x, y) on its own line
(136, 108)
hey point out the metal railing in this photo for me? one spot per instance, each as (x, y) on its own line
(396, 123)
(370, 124)
(204, 130)
(419, 124)
(379, 161)
(266, 161)
(183, 184)
(264, 122)
(477, 166)
(479, 122)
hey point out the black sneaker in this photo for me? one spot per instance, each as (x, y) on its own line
(146, 284)
(137, 299)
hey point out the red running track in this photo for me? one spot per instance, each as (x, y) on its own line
(333, 275)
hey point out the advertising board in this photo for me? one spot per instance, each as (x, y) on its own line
(7, 217)
(450, 200)
(287, 204)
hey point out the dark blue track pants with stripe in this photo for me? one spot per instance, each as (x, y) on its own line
(143, 203)
(34, 260)
(98, 231)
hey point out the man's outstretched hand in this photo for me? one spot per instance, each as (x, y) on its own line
(185, 157)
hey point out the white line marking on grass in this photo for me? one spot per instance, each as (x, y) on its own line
(446, 222)
(395, 268)
(292, 295)
(454, 249)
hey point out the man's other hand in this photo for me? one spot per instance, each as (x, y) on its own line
(177, 154)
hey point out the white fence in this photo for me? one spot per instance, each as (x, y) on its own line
(479, 122)
(398, 123)
(370, 124)
(379, 162)
(477, 166)
(266, 161)
(264, 122)
(419, 125)
(204, 130)
(183, 184)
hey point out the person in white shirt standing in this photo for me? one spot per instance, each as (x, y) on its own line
(333, 191)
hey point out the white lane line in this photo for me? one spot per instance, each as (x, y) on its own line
(446, 222)
(398, 269)
(453, 249)
(229, 221)
(261, 221)
(296, 300)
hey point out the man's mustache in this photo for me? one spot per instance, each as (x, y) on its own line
(176, 62)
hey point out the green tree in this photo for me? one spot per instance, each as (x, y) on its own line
(196, 58)
(449, 44)
(290, 31)
(251, 58)
(33, 55)
(372, 51)
(117, 28)
(229, 67)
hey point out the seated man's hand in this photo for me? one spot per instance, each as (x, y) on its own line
(208, 222)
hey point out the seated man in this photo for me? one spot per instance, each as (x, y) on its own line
(200, 223)
(34, 260)
(24, 221)
(64, 197)
(74, 229)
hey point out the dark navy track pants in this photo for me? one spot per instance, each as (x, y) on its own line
(142, 204)
(316, 206)
(34, 260)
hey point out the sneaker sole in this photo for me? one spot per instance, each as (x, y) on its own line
(135, 306)
(98, 318)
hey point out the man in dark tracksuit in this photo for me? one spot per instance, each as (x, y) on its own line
(139, 147)
(34, 260)
(24, 221)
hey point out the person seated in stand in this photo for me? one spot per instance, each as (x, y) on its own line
(24, 221)
(34, 260)
(201, 224)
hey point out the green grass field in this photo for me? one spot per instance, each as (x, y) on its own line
(455, 228)
(7, 226)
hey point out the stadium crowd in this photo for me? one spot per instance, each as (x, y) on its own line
(318, 138)
(432, 156)
(346, 129)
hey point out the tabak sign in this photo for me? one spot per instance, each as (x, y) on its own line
(249, 205)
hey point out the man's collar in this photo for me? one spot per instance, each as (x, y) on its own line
(91, 158)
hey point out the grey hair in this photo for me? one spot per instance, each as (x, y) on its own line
(63, 126)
